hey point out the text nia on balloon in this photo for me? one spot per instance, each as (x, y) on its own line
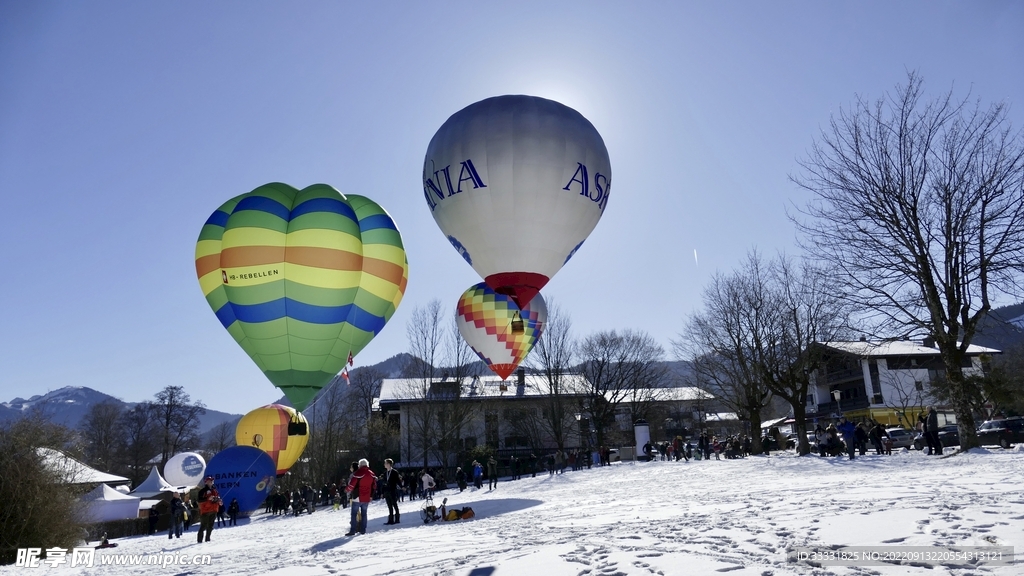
(432, 187)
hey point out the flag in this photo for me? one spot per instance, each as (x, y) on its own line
(344, 374)
(350, 358)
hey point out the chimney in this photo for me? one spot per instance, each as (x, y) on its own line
(521, 377)
(928, 342)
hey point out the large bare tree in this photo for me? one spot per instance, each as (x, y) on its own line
(762, 331)
(716, 342)
(177, 420)
(102, 440)
(616, 367)
(918, 209)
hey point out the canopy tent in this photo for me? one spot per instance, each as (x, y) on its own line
(75, 472)
(104, 503)
(152, 486)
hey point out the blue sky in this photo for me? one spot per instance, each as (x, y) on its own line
(123, 125)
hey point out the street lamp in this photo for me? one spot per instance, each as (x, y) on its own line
(839, 407)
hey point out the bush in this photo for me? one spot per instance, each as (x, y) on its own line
(37, 505)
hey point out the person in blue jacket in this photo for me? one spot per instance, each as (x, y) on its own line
(849, 431)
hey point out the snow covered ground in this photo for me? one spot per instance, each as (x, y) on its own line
(734, 516)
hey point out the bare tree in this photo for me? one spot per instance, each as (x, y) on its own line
(907, 396)
(716, 342)
(141, 441)
(552, 357)
(101, 439)
(425, 332)
(771, 316)
(177, 420)
(614, 367)
(919, 211)
(332, 432)
(221, 437)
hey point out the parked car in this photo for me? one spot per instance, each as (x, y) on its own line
(1004, 431)
(901, 437)
(949, 435)
(773, 442)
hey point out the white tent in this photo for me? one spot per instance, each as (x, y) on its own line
(104, 503)
(152, 486)
(73, 471)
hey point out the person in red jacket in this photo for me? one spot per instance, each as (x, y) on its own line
(209, 503)
(360, 489)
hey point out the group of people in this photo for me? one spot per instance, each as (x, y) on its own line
(209, 508)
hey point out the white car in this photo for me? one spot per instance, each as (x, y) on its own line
(901, 437)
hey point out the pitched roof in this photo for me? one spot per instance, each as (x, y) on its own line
(897, 348)
(74, 471)
(535, 385)
(152, 485)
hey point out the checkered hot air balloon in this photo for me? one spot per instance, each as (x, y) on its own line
(499, 332)
(301, 279)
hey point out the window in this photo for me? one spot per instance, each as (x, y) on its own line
(491, 429)
(919, 386)
(517, 442)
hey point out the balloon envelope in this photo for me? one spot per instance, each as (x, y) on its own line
(266, 428)
(516, 184)
(485, 317)
(301, 279)
(242, 472)
(185, 469)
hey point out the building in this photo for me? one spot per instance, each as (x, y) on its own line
(509, 416)
(885, 381)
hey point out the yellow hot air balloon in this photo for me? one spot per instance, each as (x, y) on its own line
(278, 430)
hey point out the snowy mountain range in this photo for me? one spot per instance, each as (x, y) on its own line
(69, 405)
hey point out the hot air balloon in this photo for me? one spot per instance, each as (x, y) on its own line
(302, 279)
(496, 329)
(273, 429)
(242, 472)
(516, 184)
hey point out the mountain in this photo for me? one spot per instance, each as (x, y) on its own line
(69, 405)
(1002, 329)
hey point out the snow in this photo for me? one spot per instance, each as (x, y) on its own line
(708, 517)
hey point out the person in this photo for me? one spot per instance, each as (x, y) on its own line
(849, 431)
(933, 431)
(876, 434)
(478, 475)
(209, 503)
(647, 450)
(428, 484)
(154, 517)
(460, 478)
(821, 439)
(177, 516)
(335, 496)
(345, 495)
(492, 473)
(861, 436)
(361, 489)
(222, 515)
(392, 484)
(514, 464)
(233, 512)
(190, 515)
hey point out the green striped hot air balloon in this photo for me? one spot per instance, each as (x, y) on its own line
(301, 279)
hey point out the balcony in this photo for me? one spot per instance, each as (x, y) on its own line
(847, 405)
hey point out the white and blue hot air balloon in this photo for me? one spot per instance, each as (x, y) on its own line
(516, 184)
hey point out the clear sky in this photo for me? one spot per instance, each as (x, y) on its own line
(123, 125)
